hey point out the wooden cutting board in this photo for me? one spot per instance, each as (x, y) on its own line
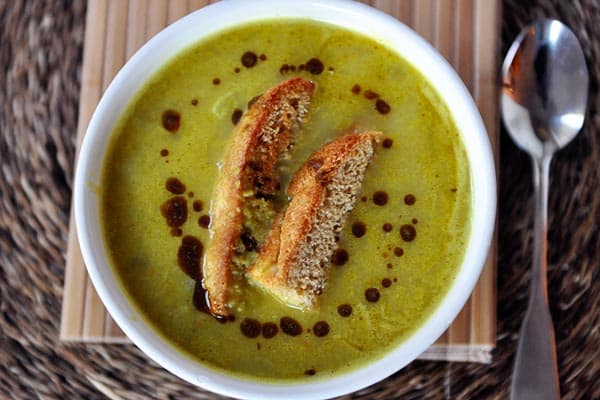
(464, 31)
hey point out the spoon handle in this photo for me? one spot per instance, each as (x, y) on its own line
(535, 375)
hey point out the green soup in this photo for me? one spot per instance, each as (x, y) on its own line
(404, 240)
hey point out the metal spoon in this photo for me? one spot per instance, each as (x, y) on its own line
(544, 96)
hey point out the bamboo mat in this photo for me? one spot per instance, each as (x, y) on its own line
(466, 32)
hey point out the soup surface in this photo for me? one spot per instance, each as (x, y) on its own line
(402, 243)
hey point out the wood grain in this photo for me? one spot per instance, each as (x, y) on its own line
(73, 322)
(464, 31)
(487, 19)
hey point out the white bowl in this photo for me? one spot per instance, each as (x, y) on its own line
(190, 29)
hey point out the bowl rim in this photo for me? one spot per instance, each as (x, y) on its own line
(214, 18)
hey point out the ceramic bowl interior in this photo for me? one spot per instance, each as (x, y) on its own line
(214, 18)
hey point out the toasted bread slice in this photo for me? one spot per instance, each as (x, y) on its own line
(294, 263)
(247, 181)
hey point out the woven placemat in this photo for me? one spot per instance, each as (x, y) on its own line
(40, 65)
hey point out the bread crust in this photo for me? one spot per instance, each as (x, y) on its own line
(248, 170)
(293, 264)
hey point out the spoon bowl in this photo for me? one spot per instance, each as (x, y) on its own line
(545, 87)
(543, 102)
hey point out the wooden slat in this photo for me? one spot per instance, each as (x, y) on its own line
(464, 31)
(459, 332)
(487, 27)
(177, 9)
(194, 5)
(399, 9)
(114, 57)
(74, 293)
(136, 26)
(446, 25)
(444, 43)
(134, 38)
(115, 54)
(115, 46)
(424, 19)
(156, 17)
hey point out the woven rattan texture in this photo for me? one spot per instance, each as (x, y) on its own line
(40, 77)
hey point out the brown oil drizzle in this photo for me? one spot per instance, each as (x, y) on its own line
(250, 328)
(253, 100)
(171, 120)
(382, 106)
(204, 221)
(290, 326)
(176, 232)
(236, 116)
(314, 66)
(175, 186)
(369, 94)
(380, 198)
(321, 329)
(200, 298)
(249, 59)
(372, 295)
(359, 229)
(284, 69)
(345, 310)
(175, 211)
(269, 330)
(198, 205)
(188, 256)
(340, 257)
(408, 233)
